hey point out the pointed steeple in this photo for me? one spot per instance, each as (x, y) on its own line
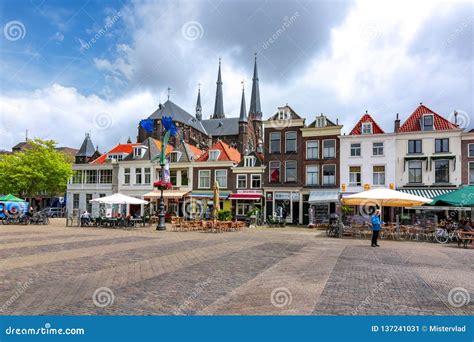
(198, 105)
(255, 109)
(219, 105)
(243, 106)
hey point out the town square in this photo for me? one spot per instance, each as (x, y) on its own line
(251, 164)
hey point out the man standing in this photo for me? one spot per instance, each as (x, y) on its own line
(375, 222)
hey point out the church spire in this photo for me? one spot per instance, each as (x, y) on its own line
(255, 109)
(219, 105)
(243, 106)
(198, 105)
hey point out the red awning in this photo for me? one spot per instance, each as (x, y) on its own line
(246, 196)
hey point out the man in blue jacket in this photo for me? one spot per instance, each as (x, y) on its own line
(375, 222)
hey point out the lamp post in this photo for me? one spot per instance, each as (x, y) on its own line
(161, 207)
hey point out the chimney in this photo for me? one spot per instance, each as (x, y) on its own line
(397, 124)
(210, 141)
(455, 117)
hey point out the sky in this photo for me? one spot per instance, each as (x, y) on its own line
(73, 67)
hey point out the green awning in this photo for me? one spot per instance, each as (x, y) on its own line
(10, 198)
(464, 197)
(426, 192)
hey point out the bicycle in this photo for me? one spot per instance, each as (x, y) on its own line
(443, 235)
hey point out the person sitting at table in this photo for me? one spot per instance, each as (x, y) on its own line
(85, 218)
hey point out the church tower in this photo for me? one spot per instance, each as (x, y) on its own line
(219, 104)
(243, 126)
(255, 111)
(198, 106)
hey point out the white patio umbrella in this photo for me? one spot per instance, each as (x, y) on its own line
(385, 197)
(119, 199)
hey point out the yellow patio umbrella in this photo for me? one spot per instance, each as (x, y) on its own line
(216, 200)
(385, 198)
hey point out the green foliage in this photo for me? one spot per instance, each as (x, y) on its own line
(40, 168)
(253, 212)
(347, 210)
(224, 215)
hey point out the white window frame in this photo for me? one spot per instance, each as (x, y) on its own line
(421, 168)
(468, 150)
(366, 124)
(335, 174)
(178, 155)
(251, 181)
(423, 122)
(306, 174)
(125, 174)
(270, 170)
(239, 175)
(421, 146)
(296, 141)
(199, 179)
(249, 160)
(335, 149)
(470, 180)
(384, 173)
(296, 170)
(270, 142)
(139, 173)
(360, 174)
(317, 149)
(360, 150)
(218, 153)
(383, 148)
(100, 176)
(226, 178)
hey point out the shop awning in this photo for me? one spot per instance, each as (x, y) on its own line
(246, 196)
(222, 194)
(323, 196)
(166, 194)
(428, 192)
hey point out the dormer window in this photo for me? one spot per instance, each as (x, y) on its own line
(427, 122)
(115, 157)
(214, 154)
(175, 156)
(139, 151)
(367, 128)
(283, 115)
(320, 122)
(249, 161)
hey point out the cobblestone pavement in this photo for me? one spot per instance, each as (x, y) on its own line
(57, 270)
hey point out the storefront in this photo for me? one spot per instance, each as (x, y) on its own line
(173, 201)
(201, 203)
(286, 205)
(245, 201)
(321, 204)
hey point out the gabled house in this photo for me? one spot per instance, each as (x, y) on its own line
(467, 153)
(428, 153)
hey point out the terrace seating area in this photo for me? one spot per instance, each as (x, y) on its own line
(178, 224)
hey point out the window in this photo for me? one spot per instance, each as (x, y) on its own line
(415, 172)
(105, 177)
(414, 146)
(471, 173)
(88, 203)
(320, 122)
(214, 155)
(329, 149)
(441, 171)
(138, 175)
(174, 177)
(312, 175)
(275, 138)
(329, 174)
(147, 175)
(175, 156)
(274, 167)
(204, 179)
(354, 176)
(379, 175)
(284, 115)
(249, 161)
(367, 128)
(377, 148)
(138, 152)
(255, 181)
(75, 201)
(184, 177)
(355, 150)
(471, 150)
(116, 157)
(221, 178)
(242, 208)
(290, 171)
(91, 176)
(290, 143)
(77, 177)
(241, 181)
(312, 149)
(441, 145)
(427, 123)
(126, 176)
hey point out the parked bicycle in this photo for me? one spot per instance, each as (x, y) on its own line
(444, 235)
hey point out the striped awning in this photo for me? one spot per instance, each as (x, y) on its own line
(427, 192)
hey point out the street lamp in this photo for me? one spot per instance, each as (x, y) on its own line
(161, 207)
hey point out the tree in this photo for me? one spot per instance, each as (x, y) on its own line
(39, 168)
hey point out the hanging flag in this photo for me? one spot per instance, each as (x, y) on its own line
(166, 172)
(147, 125)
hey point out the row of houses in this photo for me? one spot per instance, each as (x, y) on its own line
(302, 168)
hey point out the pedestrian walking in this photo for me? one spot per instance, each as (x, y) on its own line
(375, 223)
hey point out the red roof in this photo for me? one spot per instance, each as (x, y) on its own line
(197, 152)
(376, 129)
(120, 148)
(227, 153)
(412, 124)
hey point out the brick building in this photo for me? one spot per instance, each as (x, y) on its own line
(467, 154)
